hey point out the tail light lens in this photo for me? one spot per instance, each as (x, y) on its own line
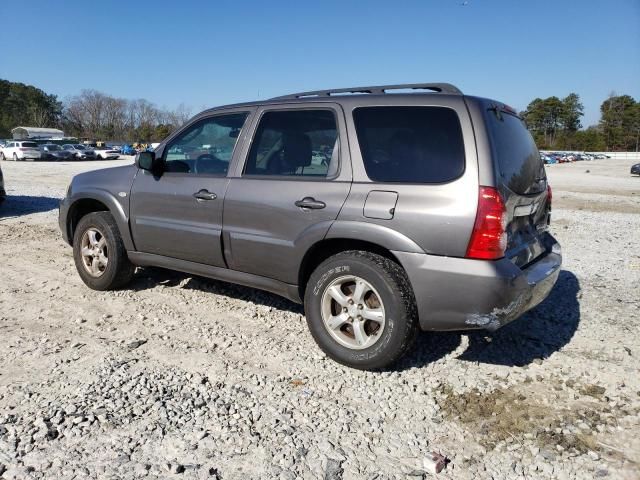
(489, 238)
(549, 196)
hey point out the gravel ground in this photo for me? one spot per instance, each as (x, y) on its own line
(183, 377)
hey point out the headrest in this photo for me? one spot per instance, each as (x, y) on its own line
(296, 150)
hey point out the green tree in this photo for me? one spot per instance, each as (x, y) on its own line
(26, 105)
(620, 122)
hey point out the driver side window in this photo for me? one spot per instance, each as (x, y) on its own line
(206, 147)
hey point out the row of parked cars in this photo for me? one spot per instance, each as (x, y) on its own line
(29, 150)
(555, 157)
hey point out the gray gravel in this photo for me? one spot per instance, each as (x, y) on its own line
(183, 377)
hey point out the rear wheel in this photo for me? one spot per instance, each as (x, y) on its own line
(15, 157)
(2, 157)
(99, 254)
(361, 310)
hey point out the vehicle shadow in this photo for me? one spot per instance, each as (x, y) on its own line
(149, 277)
(536, 335)
(17, 205)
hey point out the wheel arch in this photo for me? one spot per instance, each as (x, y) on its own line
(99, 202)
(328, 247)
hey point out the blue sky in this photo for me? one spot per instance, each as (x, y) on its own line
(206, 53)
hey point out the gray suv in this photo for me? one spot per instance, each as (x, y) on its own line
(384, 210)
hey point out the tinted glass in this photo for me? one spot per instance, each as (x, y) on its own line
(410, 144)
(519, 162)
(295, 143)
(30, 144)
(206, 147)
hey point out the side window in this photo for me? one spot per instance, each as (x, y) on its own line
(410, 144)
(295, 143)
(206, 147)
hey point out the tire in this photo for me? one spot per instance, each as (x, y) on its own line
(15, 157)
(99, 157)
(387, 295)
(117, 270)
(2, 157)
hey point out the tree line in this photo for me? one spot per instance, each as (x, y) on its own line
(91, 114)
(554, 122)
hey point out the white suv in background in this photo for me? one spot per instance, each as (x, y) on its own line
(20, 151)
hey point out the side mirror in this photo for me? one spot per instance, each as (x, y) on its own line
(147, 161)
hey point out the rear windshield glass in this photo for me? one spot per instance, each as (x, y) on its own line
(410, 144)
(29, 144)
(519, 163)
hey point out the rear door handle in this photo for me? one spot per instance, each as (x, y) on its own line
(205, 195)
(310, 203)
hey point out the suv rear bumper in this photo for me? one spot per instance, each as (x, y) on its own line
(464, 294)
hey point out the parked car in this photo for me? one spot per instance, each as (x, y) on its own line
(51, 151)
(127, 150)
(548, 159)
(80, 152)
(3, 192)
(106, 153)
(635, 169)
(20, 150)
(413, 223)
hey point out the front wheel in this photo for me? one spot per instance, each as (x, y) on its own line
(361, 310)
(99, 253)
(2, 157)
(15, 157)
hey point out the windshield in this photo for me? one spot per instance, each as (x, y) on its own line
(519, 162)
(53, 148)
(80, 147)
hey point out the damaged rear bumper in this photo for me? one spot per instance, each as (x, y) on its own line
(463, 294)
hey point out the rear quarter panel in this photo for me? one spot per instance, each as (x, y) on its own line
(438, 218)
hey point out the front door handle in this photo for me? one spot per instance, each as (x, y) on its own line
(310, 203)
(205, 195)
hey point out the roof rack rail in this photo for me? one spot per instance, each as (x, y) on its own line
(377, 90)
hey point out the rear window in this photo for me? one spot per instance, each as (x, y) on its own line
(518, 159)
(410, 144)
(30, 144)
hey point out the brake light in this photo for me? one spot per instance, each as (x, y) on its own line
(489, 238)
(549, 196)
(24, 149)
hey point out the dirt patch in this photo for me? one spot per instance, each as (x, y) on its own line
(510, 416)
(591, 205)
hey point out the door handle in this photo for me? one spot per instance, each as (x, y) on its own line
(310, 203)
(205, 195)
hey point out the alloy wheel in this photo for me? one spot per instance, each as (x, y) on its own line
(95, 255)
(353, 312)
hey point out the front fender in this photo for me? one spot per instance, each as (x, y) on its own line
(117, 206)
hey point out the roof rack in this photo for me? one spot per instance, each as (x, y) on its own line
(377, 90)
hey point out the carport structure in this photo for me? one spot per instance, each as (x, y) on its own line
(33, 133)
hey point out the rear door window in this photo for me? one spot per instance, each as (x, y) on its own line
(295, 143)
(518, 160)
(410, 144)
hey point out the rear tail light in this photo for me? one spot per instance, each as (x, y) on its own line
(489, 238)
(24, 149)
(549, 196)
